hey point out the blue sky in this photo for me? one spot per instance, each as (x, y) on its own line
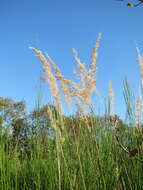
(56, 27)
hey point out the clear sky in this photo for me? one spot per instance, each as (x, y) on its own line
(56, 27)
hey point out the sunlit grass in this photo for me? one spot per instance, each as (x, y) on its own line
(81, 152)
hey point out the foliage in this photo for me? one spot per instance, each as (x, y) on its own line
(87, 152)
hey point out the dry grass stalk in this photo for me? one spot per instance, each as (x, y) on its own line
(94, 56)
(140, 62)
(81, 92)
(138, 112)
(50, 78)
(51, 117)
(87, 84)
(111, 98)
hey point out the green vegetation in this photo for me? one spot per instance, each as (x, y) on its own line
(82, 152)
(45, 150)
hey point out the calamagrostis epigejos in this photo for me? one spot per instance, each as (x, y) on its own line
(111, 98)
(50, 78)
(138, 110)
(81, 92)
(140, 62)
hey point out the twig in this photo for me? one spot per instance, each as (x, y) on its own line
(131, 153)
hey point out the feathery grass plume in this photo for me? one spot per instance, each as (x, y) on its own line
(138, 110)
(86, 77)
(50, 78)
(140, 62)
(94, 56)
(110, 99)
(51, 117)
(79, 91)
(63, 81)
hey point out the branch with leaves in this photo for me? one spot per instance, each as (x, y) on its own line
(133, 4)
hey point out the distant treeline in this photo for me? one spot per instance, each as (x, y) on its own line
(18, 128)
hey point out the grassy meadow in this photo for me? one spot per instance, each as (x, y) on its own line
(45, 150)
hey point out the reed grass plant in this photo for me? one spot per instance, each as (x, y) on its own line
(83, 152)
